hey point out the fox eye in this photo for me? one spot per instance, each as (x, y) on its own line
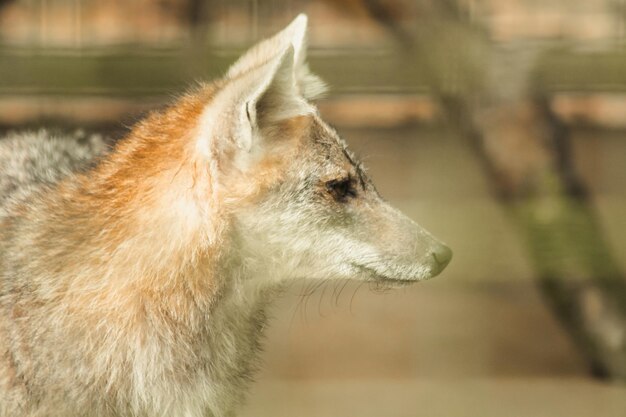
(342, 189)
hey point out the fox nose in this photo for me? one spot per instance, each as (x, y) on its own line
(442, 256)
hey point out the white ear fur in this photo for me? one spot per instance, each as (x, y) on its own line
(294, 35)
(308, 85)
(267, 92)
(268, 83)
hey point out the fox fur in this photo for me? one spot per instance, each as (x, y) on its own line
(134, 280)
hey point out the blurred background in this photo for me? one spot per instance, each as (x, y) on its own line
(498, 125)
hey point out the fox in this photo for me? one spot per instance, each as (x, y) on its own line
(136, 278)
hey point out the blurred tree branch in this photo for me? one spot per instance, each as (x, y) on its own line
(486, 91)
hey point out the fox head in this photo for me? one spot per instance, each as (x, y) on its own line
(299, 203)
(245, 170)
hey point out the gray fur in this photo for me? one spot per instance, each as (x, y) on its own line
(31, 160)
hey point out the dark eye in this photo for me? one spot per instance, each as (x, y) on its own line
(341, 189)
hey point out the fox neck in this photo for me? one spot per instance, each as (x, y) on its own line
(164, 271)
(165, 238)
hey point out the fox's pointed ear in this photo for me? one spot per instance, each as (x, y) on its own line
(294, 35)
(233, 120)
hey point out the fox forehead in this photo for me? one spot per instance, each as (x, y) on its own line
(328, 151)
(307, 143)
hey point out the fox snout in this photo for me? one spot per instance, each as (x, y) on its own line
(403, 251)
(428, 258)
(429, 254)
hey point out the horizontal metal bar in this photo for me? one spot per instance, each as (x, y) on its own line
(127, 71)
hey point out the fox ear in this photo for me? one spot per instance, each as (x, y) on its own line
(270, 82)
(234, 118)
(294, 35)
